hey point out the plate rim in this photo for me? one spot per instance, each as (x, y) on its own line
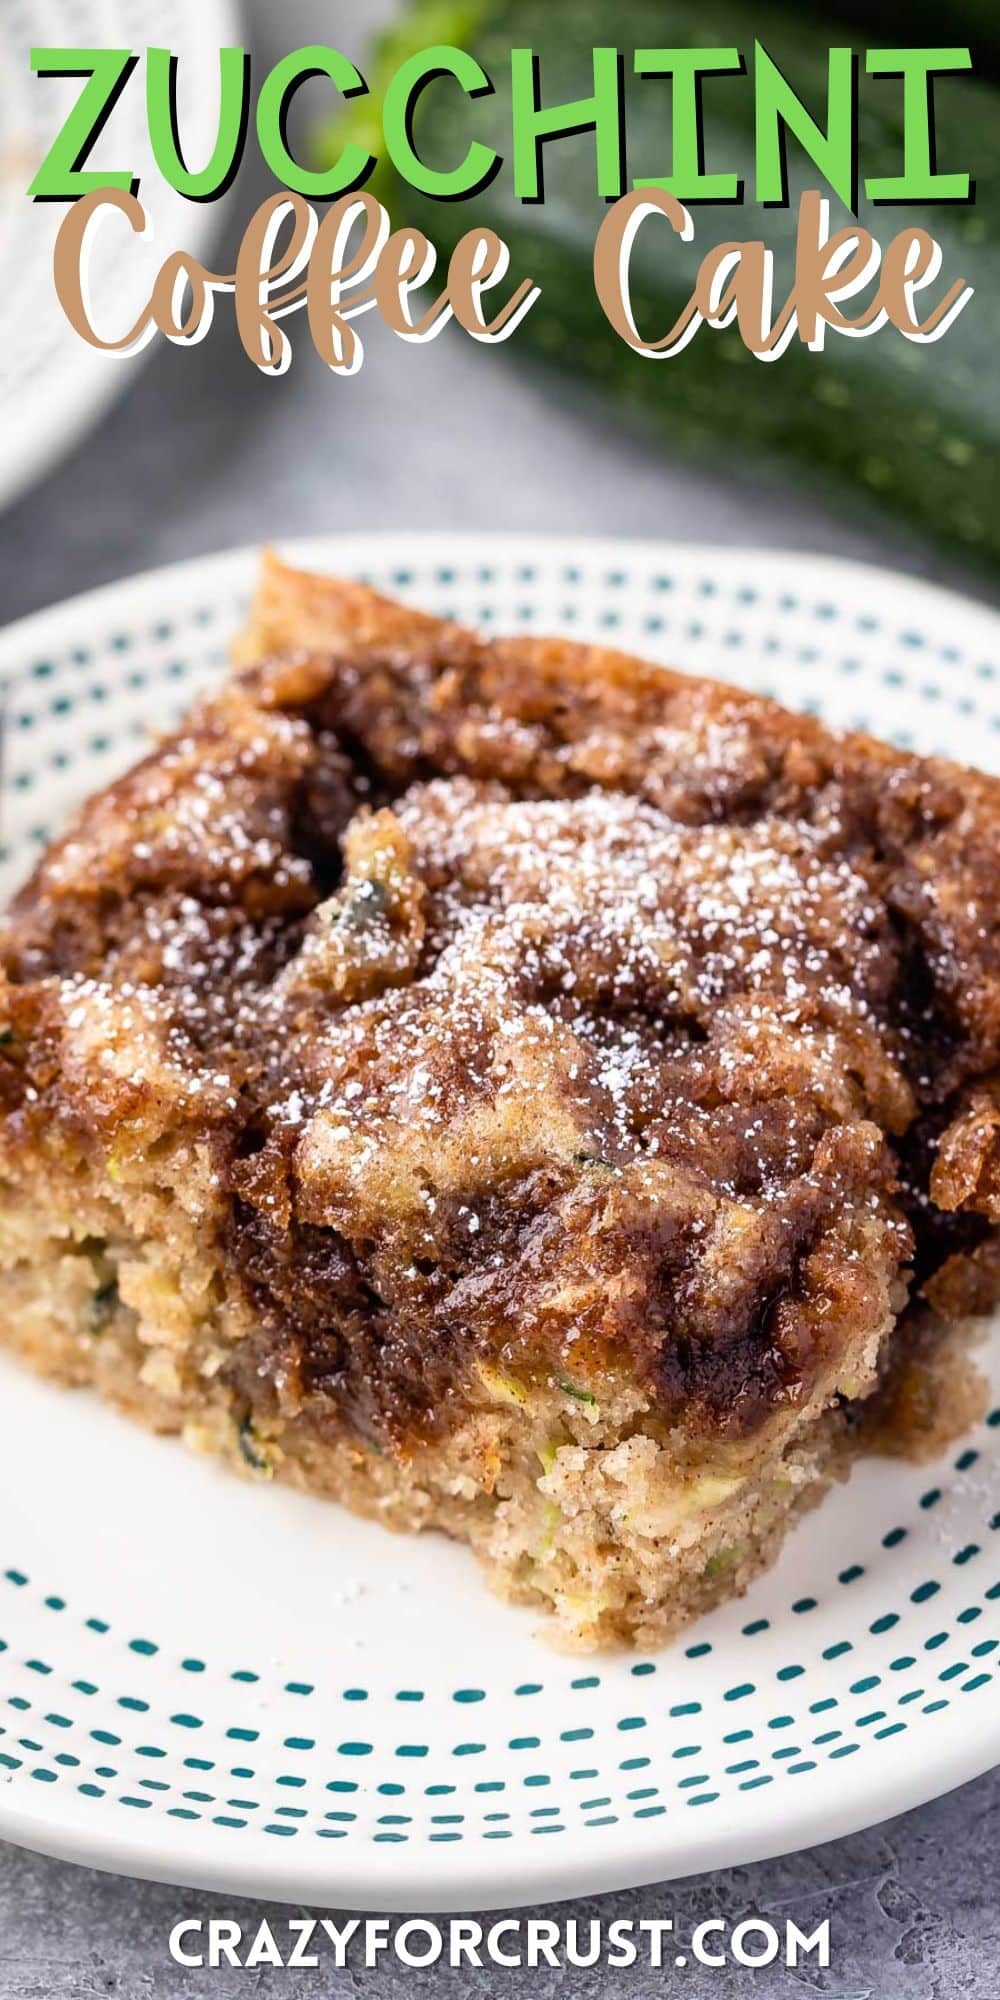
(407, 1881)
(400, 1879)
(337, 552)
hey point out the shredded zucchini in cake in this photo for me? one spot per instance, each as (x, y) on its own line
(510, 1089)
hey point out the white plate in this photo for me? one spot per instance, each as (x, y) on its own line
(53, 386)
(237, 1686)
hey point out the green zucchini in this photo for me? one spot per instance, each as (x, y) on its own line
(971, 24)
(103, 1306)
(880, 423)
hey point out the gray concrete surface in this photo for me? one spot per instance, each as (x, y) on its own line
(202, 454)
(912, 1906)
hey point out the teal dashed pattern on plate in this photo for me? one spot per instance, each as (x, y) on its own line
(216, 1681)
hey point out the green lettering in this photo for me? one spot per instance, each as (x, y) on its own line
(401, 97)
(777, 109)
(918, 181)
(687, 178)
(601, 113)
(60, 176)
(234, 118)
(273, 106)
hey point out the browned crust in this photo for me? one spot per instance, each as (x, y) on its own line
(805, 1143)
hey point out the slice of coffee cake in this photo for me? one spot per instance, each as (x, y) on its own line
(508, 1088)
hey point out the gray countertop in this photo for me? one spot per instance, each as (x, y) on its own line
(913, 1910)
(201, 454)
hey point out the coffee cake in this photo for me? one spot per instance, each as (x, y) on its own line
(507, 1088)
